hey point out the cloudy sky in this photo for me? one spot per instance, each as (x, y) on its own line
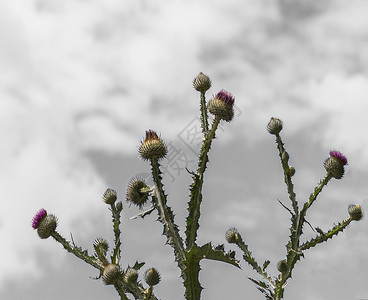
(81, 81)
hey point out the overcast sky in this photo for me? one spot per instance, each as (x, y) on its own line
(81, 81)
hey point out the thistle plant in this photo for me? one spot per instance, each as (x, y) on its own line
(187, 252)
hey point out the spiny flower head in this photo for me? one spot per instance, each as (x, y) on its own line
(274, 126)
(202, 83)
(152, 277)
(44, 223)
(111, 274)
(232, 235)
(334, 165)
(110, 196)
(355, 212)
(137, 192)
(152, 147)
(39, 216)
(222, 105)
(338, 155)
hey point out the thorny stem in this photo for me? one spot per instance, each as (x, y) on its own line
(120, 291)
(195, 201)
(116, 223)
(204, 116)
(78, 252)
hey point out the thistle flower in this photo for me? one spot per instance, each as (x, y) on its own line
(39, 216)
(232, 235)
(355, 212)
(202, 83)
(110, 274)
(222, 105)
(152, 277)
(131, 275)
(137, 192)
(334, 165)
(110, 196)
(152, 147)
(274, 126)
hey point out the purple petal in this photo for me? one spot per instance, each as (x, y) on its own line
(339, 156)
(38, 218)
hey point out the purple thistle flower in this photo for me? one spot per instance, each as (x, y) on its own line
(42, 213)
(339, 156)
(226, 97)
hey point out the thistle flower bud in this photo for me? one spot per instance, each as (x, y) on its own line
(39, 216)
(110, 274)
(355, 212)
(47, 226)
(137, 192)
(232, 235)
(282, 266)
(291, 171)
(131, 275)
(334, 165)
(202, 83)
(274, 126)
(119, 206)
(101, 245)
(222, 105)
(110, 196)
(152, 277)
(152, 147)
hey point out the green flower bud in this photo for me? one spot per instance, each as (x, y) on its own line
(131, 275)
(355, 212)
(291, 171)
(202, 83)
(152, 147)
(111, 274)
(282, 266)
(110, 196)
(101, 246)
(274, 126)
(232, 235)
(137, 192)
(119, 206)
(334, 165)
(152, 277)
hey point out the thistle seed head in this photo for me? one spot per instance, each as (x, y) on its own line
(334, 165)
(222, 105)
(110, 196)
(202, 83)
(152, 147)
(47, 226)
(232, 235)
(137, 192)
(274, 126)
(152, 277)
(110, 274)
(131, 275)
(355, 212)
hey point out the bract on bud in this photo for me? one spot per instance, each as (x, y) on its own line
(119, 206)
(291, 171)
(282, 266)
(355, 212)
(222, 105)
(232, 235)
(47, 226)
(152, 147)
(152, 277)
(274, 126)
(131, 275)
(334, 165)
(111, 273)
(101, 245)
(202, 83)
(137, 192)
(110, 196)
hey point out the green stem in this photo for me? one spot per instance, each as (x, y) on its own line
(116, 225)
(204, 116)
(196, 189)
(120, 291)
(78, 252)
(166, 216)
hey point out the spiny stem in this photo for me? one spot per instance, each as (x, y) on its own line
(204, 116)
(196, 195)
(76, 251)
(166, 216)
(116, 226)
